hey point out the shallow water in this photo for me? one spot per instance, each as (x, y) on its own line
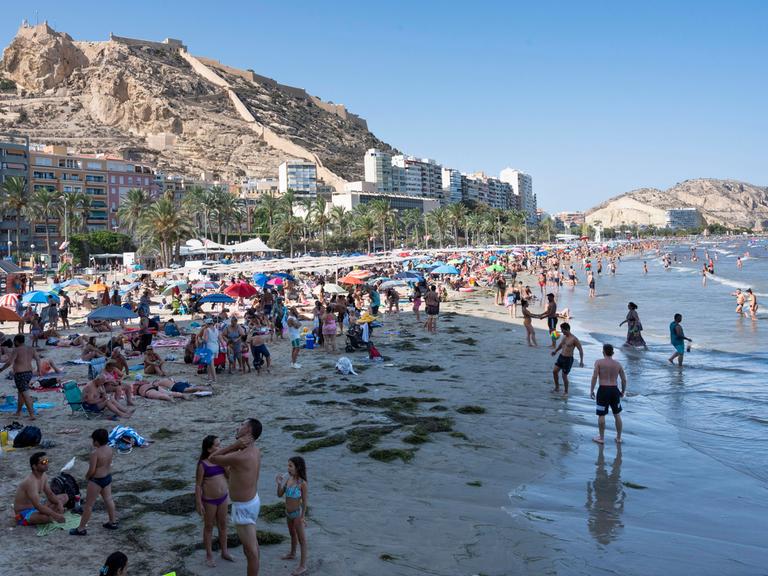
(688, 491)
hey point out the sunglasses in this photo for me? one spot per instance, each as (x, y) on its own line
(44, 461)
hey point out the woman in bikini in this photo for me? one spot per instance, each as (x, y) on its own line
(296, 491)
(90, 350)
(530, 333)
(211, 499)
(153, 364)
(165, 389)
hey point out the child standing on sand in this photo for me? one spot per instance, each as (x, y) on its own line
(530, 333)
(296, 491)
(211, 495)
(99, 477)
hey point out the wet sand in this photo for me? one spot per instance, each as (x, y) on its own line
(441, 511)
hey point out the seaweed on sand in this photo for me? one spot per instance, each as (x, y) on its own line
(470, 409)
(419, 369)
(424, 424)
(391, 454)
(353, 389)
(172, 484)
(308, 427)
(467, 341)
(272, 512)
(365, 438)
(395, 403)
(177, 505)
(164, 433)
(313, 445)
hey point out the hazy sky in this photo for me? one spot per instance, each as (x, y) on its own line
(591, 98)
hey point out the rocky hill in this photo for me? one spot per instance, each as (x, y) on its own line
(728, 202)
(154, 102)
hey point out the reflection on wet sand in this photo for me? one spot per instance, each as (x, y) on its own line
(605, 499)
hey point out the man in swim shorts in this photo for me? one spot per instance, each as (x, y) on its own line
(564, 362)
(243, 459)
(607, 371)
(29, 509)
(21, 357)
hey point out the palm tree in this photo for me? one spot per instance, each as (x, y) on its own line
(384, 215)
(411, 219)
(474, 225)
(320, 219)
(217, 199)
(546, 226)
(288, 228)
(195, 204)
(365, 224)
(440, 220)
(516, 223)
(83, 203)
(164, 224)
(15, 198)
(132, 208)
(340, 219)
(44, 203)
(457, 213)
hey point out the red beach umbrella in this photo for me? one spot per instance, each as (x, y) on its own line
(240, 290)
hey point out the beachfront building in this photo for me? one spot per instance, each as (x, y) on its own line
(522, 188)
(14, 162)
(300, 176)
(493, 192)
(423, 176)
(256, 188)
(684, 218)
(565, 220)
(366, 192)
(378, 170)
(102, 179)
(451, 185)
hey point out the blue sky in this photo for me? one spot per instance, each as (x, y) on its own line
(591, 98)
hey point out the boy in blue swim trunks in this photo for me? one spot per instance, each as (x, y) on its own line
(678, 338)
(99, 478)
(28, 507)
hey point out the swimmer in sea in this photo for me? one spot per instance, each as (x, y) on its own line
(753, 307)
(740, 300)
(645, 267)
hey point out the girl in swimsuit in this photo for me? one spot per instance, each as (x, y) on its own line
(529, 331)
(329, 330)
(296, 492)
(211, 499)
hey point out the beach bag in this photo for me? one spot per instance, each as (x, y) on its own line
(66, 484)
(28, 437)
(203, 356)
(344, 366)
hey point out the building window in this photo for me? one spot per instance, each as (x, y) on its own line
(43, 161)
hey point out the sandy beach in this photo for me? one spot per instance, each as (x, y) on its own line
(461, 436)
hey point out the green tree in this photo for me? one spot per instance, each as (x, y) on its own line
(382, 211)
(320, 218)
(412, 219)
(165, 225)
(132, 209)
(457, 214)
(365, 224)
(288, 229)
(98, 242)
(15, 199)
(46, 204)
(440, 221)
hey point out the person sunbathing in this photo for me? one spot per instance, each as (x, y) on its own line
(113, 383)
(118, 358)
(28, 507)
(100, 325)
(90, 350)
(166, 389)
(48, 375)
(153, 364)
(95, 399)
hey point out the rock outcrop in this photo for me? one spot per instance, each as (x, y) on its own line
(151, 102)
(728, 202)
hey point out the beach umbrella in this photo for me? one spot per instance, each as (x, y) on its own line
(97, 288)
(75, 282)
(285, 276)
(260, 279)
(9, 301)
(408, 276)
(216, 299)
(275, 282)
(181, 285)
(205, 285)
(424, 266)
(112, 312)
(495, 268)
(128, 287)
(456, 261)
(240, 290)
(438, 263)
(360, 274)
(8, 315)
(329, 288)
(378, 279)
(38, 297)
(350, 280)
(393, 284)
(445, 269)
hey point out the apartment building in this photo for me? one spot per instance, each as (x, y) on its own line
(522, 187)
(299, 176)
(105, 180)
(483, 189)
(421, 176)
(451, 185)
(378, 170)
(14, 162)
(684, 218)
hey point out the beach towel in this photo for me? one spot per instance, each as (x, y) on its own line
(11, 406)
(70, 521)
(344, 365)
(169, 342)
(125, 434)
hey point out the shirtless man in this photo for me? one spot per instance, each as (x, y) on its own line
(27, 506)
(21, 357)
(550, 313)
(607, 371)
(740, 300)
(564, 362)
(95, 398)
(99, 479)
(752, 304)
(243, 459)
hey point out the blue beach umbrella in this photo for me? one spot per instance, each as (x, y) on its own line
(445, 269)
(424, 266)
(285, 276)
(38, 297)
(75, 282)
(260, 279)
(216, 299)
(112, 312)
(408, 276)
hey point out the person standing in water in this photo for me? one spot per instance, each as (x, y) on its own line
(645, 267)
(634, 327)
(607, 371)
(591, 283)
(564, 362)
(678, 338)
(753, 307)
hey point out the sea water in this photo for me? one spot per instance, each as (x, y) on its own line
(719, 399)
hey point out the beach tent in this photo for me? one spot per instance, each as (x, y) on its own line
(252, 245)
(75, 282)
(329, 289)
(445, 269)
(111, 313)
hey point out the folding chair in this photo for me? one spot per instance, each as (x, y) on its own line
(74, 398)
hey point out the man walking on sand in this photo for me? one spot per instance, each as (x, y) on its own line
(21, 357)
(677, 337)
(564, 362)
(607, 371)
(243, 459)
(550, 313)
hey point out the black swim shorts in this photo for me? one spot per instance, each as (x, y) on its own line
(565, 363)
(22, 380)
(608, 396)
(551, 323)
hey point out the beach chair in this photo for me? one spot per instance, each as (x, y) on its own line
(75, 399)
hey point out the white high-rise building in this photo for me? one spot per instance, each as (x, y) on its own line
(299, 176)
(522, 187)
(423, 177)
(378, 170)
(451, 185)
